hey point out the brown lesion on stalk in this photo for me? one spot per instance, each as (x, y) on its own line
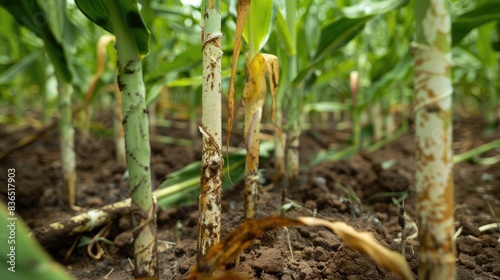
(210, 191)
(251, 193)
(128, 68)
(121, 84)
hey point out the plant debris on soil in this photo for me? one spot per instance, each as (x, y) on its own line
(367, 191)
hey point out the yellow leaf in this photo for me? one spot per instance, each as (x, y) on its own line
(255, 90)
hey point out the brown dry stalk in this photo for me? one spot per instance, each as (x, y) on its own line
(52, 234)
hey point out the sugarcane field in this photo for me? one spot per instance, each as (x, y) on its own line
(239, 139)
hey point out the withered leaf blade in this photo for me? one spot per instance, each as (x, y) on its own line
(242, 10)
(227, 250)
(366, 243)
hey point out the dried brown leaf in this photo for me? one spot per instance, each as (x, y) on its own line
(228, 249)
(242, 10)
(366, 243)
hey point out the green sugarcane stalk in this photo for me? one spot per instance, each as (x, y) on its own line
(279, 149)
(355, 114)
(294, 130)
(491, 112)
(433, 125)
(377, 120)
(136, 128)
(67, 143)
(209, 223)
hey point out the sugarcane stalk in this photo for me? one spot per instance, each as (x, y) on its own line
(390, 119)
(253, 101)
(209, 222)
(355, 111)
(491, 112)
(279, 150)
(67, 144)
(136, 128)
(252, 135)
(433, 124)
(293, 145)
(377, 121)
(293, 133)
(254, 96)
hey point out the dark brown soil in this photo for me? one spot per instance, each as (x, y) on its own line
(295, 253)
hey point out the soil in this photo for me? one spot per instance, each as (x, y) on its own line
(360, 191)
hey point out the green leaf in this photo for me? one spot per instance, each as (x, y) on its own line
(188, 59)
(337, 33)
(284, 34)
(465, 23)
(193, 81)
(398, 73)
(186, 181)
(98, 13)
(30, 260)
(29, 14)
(484, 47)
(495, 41)
(56, 10)
(373, 7)
(334, 35)
(466, 60)
(341, 30)
(18, 68)
(189, 177)
(153, 93)
(258, 26)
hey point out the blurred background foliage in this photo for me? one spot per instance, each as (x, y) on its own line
(378, 46)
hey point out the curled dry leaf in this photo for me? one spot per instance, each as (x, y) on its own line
(102, 44)
(228, 249)
(366, 243)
